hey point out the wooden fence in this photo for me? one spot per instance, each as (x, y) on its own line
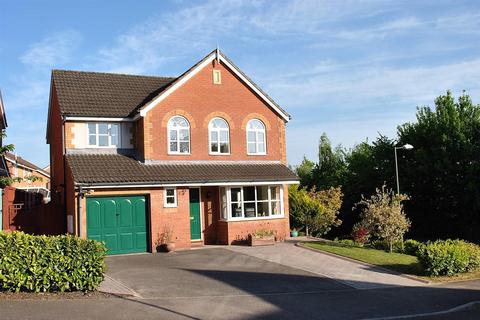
(25, 211)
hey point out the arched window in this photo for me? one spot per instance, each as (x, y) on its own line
(256, 137)
(219, 136)
(178, 135)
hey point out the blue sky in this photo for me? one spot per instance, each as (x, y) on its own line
(351, 69)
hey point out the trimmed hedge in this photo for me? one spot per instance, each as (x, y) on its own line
(411, 247)
(50, 263)
(448, 257)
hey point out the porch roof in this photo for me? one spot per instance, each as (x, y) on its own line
(117, 169)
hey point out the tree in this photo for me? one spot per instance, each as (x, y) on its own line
(331, 168)
(5, 181)
(382, 215)
(442, 173)
(315, 211)
(305, 172)
(368, 165)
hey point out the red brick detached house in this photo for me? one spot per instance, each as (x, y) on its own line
(200, 157)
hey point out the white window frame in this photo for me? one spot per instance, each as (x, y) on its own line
(218, 130)
(256, 131)
(178, 137)
(170, 205)
(243, 218)
(109, 124)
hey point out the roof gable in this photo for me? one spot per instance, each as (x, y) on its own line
(110, 95)
(13, 158)
(216, 54)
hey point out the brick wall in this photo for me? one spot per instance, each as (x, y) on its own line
(199, 100)
(236, 232)
(44, 181)
(55, 135)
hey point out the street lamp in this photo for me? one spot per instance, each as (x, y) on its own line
(405, 147)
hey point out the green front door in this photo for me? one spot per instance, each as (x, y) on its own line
(195, 225)
(120, 222)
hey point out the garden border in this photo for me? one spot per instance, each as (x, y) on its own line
(302, 245)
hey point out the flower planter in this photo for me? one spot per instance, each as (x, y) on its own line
(166, 247)
(261, 241)
(294, 234)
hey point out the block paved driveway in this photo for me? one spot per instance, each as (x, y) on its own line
(247, 283)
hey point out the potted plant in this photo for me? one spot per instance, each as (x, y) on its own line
(262, 238)
(294, 233)
(165, 241)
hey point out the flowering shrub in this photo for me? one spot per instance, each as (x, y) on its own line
(360, 234)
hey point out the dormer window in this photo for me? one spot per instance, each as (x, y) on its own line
(103, 135)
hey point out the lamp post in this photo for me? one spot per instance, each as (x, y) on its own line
(405, 147)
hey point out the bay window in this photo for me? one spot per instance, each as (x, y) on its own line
(251, 202)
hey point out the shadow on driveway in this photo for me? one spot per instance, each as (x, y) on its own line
(220, 284)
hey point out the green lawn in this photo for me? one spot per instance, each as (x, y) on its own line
(399, 262)
(403, 263)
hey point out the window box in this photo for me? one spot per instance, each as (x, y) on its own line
(264, 240)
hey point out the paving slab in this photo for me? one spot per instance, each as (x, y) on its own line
(354, 274)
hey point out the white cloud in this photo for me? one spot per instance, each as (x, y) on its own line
(169, 37)
(53, 50)
(374, 86)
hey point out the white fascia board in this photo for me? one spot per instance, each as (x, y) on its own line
(193, 72)
(167, 92)
(99, 119)
(254, 88)
(193, 184)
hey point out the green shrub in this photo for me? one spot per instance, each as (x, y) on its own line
(448, 257)
(50, 263)
(346, 243)
(383, 245)
(411, 247)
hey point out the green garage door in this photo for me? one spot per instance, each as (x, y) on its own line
(120, 222)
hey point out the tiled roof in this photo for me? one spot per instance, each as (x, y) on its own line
(14, 158)
(98, 169)
(95, 94)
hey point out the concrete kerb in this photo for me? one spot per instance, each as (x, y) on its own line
(116, 288)
(407, 276)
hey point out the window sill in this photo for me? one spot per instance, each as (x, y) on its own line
(253, 219)
(102, 147)
(256, 154)
(172, 206)
(219, 154)
(179, 154)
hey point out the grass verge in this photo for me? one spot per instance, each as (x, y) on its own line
(399, 262)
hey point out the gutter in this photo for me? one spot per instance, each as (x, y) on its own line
(183, 183)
